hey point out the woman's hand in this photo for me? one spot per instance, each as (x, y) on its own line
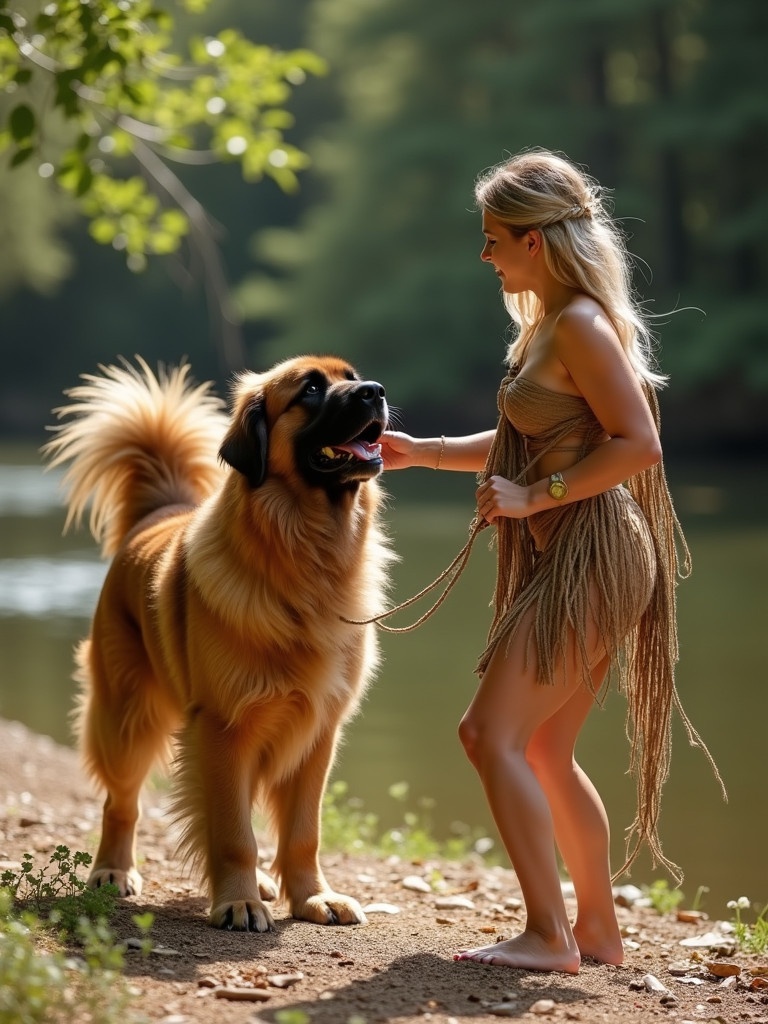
(500, 497)
(398, 450)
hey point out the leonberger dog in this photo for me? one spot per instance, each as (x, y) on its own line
(240, 549)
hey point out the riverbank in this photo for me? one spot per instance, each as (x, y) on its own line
(396, 968)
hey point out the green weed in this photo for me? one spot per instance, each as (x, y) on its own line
(57, 892)
(40, 987)
(751, 938)
(348, 826)
(663, 899)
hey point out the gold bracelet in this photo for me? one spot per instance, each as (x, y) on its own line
(442, 449)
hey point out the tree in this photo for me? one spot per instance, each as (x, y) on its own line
(103, 102)
(386, 268)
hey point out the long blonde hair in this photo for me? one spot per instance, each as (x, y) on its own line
(583, 247)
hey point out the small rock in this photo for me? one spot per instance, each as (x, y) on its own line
(721, 968)
(709, 940)
(416, 883)
(678, 969)
(242, 995)
(543, 1006)
(381, 908)
(691, 916)
(627, 895)
(510, 1009)
(758, 982)
(165, 951)
(668, 999)
(630, 944)
(513, 903)
(454, 903)
(284, 980)
(652, 983)
(207, 981)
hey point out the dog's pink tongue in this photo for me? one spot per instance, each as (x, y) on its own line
(360, 449)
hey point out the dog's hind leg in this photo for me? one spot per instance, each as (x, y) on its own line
(213, 798)
(119, 740)
(296, 805)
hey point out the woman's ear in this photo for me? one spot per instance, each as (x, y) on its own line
(533, 241)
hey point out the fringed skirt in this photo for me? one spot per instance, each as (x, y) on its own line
(591, 562)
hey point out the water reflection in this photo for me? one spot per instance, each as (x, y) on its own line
(43, 587)
(29, 491)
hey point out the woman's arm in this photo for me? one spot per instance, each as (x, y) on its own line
(466, 454)
(588, 348)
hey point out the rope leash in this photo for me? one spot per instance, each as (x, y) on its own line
(452, 573)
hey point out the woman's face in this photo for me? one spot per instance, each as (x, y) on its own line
(509, 256)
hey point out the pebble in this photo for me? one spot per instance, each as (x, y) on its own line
(284, 980)
(721, 968)
(652, 983)
(381, 908)
(454, 903)
(543, 1006)
(510, 1009)
(416, 883)
(242, 995)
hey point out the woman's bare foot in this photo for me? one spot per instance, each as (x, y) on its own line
(603, 945)
(529, 951)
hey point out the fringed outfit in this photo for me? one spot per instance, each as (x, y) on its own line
(611, 560)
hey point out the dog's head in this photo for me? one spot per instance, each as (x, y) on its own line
(310, 418)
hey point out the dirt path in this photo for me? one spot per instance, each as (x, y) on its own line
(397, 968)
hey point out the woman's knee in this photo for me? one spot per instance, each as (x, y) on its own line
(469, 736)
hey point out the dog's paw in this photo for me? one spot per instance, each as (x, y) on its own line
(330, 908)
(242, 916)
(268, 888)
(128, 882)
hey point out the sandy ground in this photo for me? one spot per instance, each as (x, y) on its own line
(397, 968)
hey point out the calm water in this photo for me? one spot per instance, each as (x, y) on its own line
(407, 728)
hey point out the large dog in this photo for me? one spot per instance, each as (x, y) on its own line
(221, 622)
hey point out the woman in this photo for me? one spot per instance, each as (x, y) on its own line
(586, 566)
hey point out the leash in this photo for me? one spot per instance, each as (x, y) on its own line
(451, 573)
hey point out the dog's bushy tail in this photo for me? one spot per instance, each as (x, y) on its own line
(134, 442)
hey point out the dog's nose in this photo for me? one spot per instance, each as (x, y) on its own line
(371, 390)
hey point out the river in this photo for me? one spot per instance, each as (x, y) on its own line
(406, 730)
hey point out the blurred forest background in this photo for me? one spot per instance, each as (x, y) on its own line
(375, 257)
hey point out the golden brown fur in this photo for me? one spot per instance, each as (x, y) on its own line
(220, 620)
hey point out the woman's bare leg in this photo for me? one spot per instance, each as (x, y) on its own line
(510, 706)
(581, 824)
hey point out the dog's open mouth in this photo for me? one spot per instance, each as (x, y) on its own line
(361, 449)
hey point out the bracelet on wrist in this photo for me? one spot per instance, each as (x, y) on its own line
(442, 450)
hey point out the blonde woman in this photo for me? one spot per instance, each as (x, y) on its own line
(572, 481)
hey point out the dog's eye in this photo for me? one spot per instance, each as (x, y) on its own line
(311, 389)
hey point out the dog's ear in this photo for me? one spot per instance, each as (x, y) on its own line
(245, 446)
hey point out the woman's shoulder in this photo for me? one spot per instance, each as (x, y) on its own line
(583, 322)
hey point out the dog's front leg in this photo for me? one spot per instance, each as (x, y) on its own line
(214, 798)
(296, 806)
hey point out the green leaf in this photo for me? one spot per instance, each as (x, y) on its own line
(22, 122)
(21, 156)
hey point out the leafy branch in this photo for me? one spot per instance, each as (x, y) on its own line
(106, 76)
